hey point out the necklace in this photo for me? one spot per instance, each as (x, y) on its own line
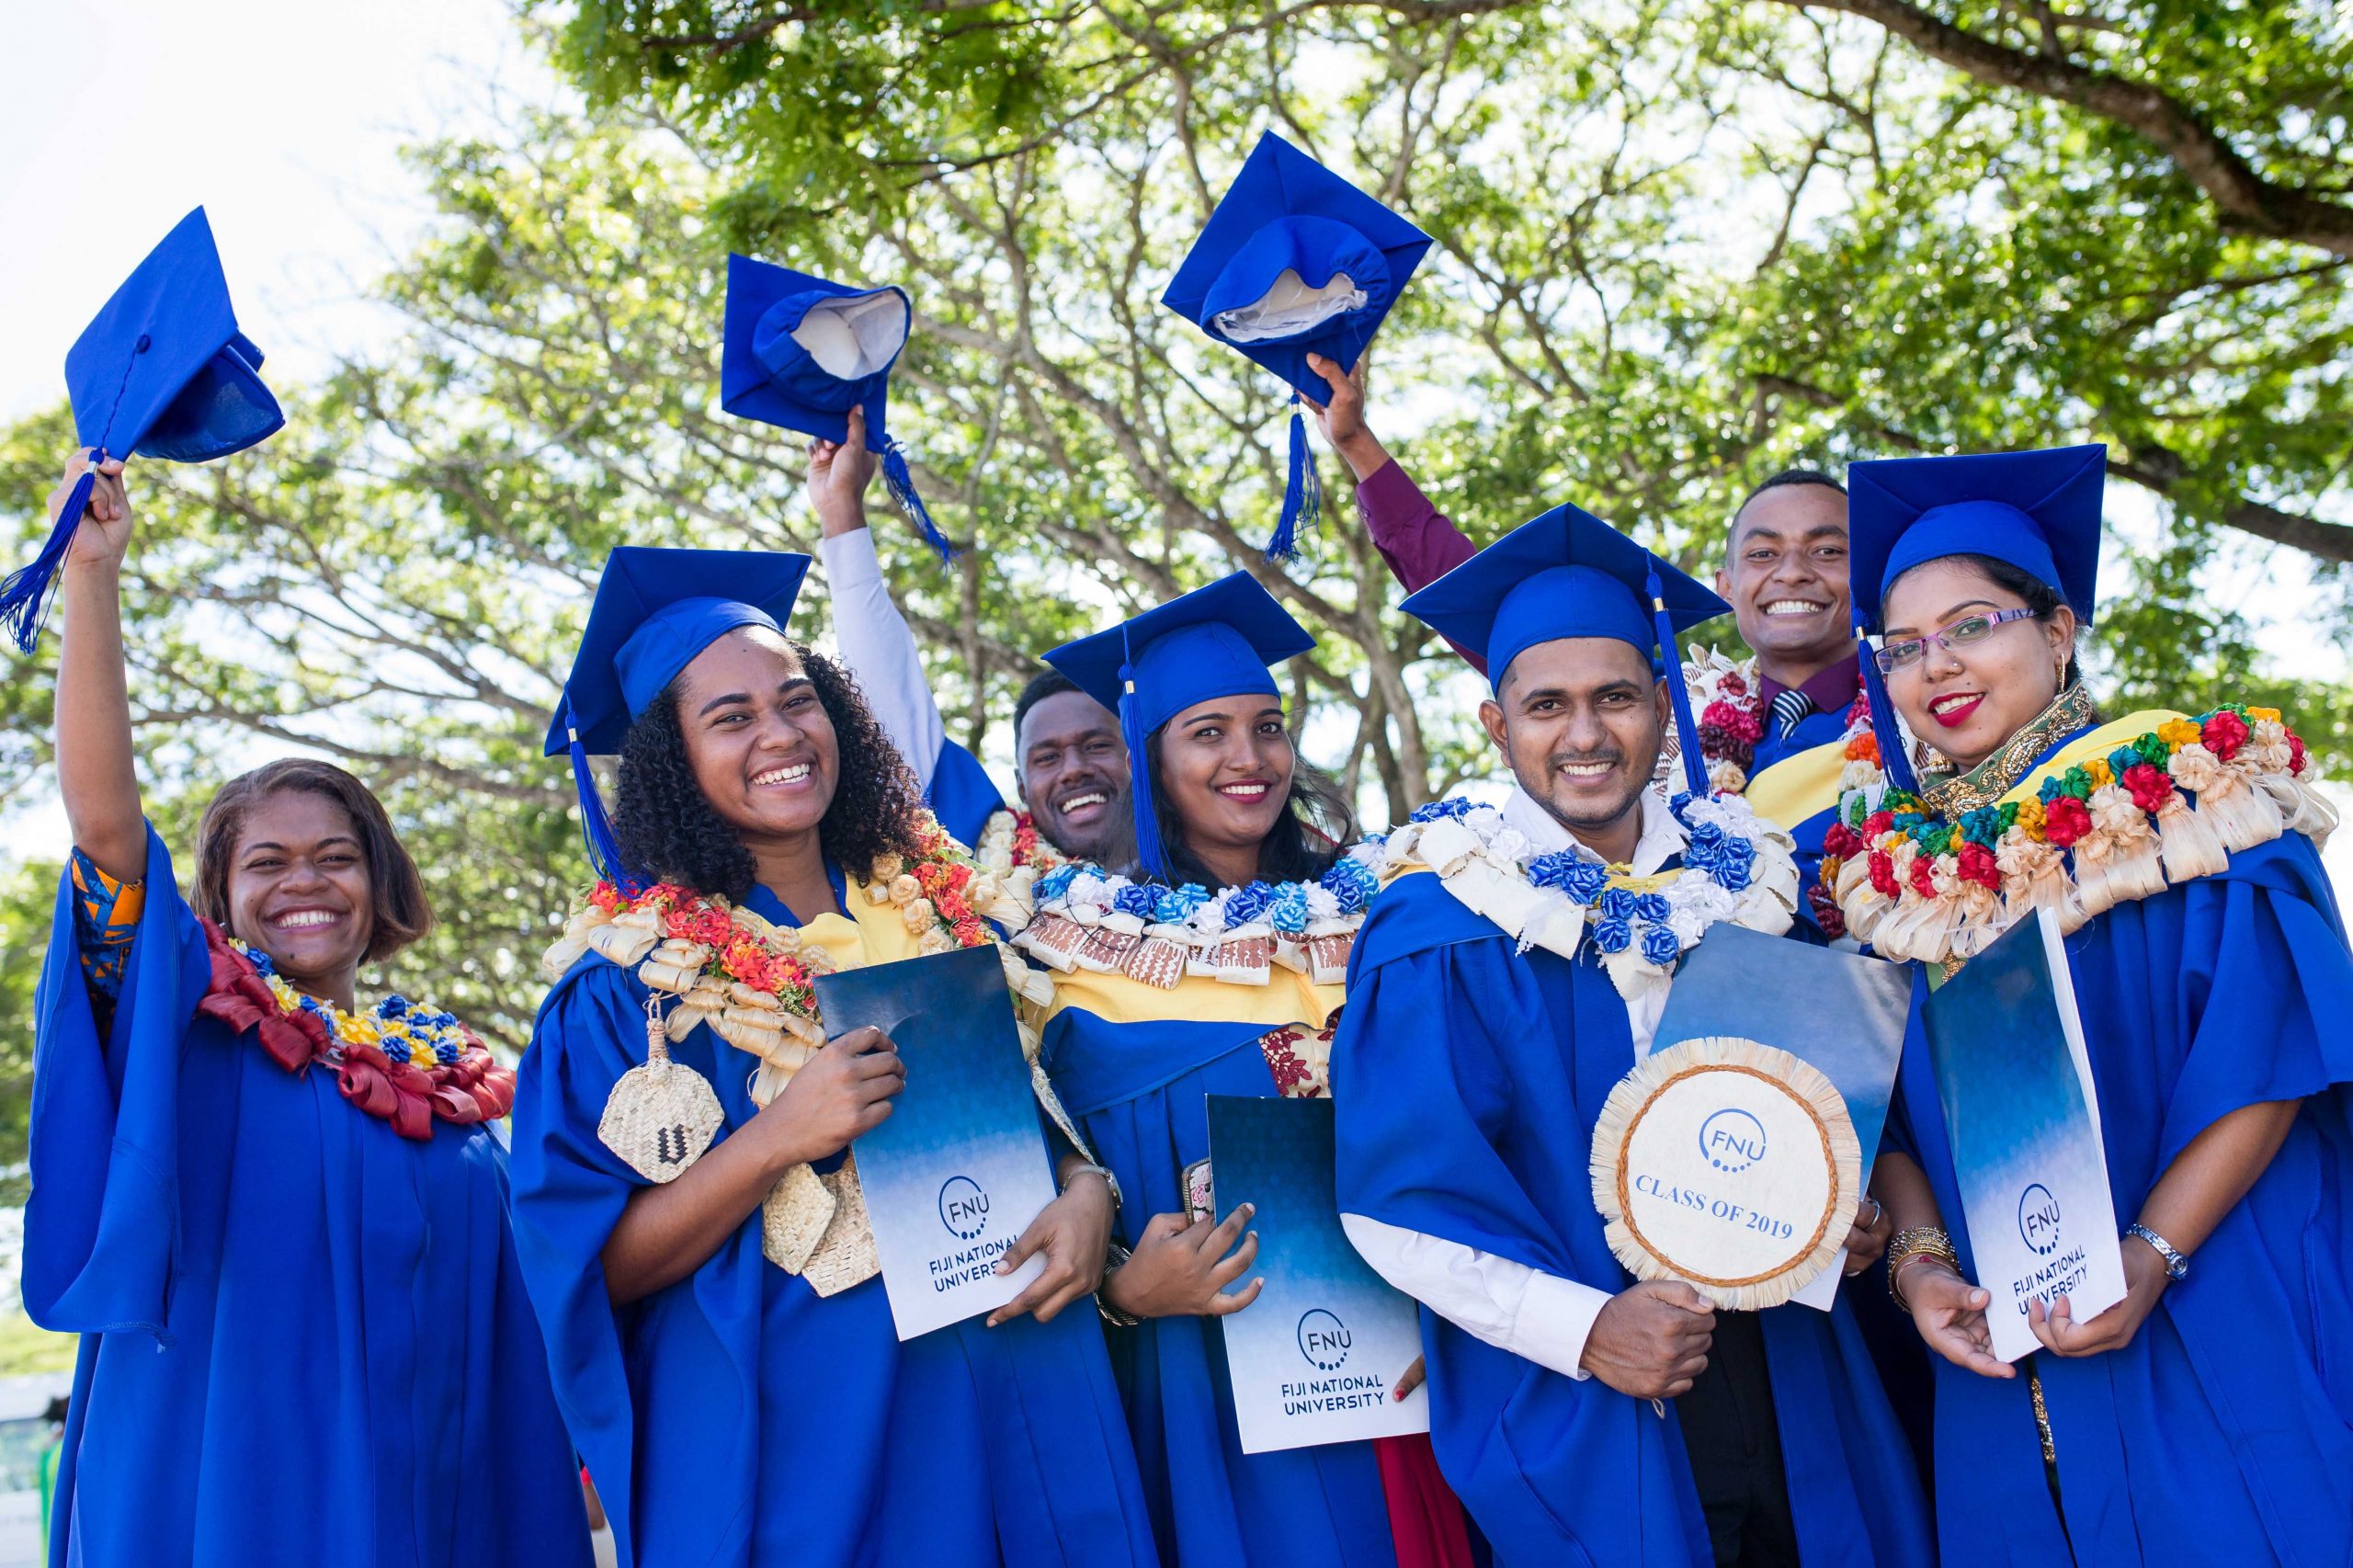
(400, 1062)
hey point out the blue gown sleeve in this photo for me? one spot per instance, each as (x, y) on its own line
(569, 1192)
(962, 794)
(102, 1224)
(2266, 981)
(1423, 1096)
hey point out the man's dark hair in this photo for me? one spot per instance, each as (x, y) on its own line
(667, 829)
(1780, 481)
(403, 915)
(1044, 684)
(1317, 824)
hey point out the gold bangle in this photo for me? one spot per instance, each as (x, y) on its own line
(1912, 1243)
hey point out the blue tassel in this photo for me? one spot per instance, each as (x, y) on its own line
(1151, 856)
(1893, 758)
(1302, 492)
(596, 827)
(1695, 766)
(26, 597)
(902, 490)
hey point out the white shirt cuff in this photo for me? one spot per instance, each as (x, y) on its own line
(1536, 1317)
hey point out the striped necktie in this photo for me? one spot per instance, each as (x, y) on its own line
(1789, 706)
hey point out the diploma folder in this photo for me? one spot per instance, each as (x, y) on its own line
(1840, 1013)
(1314, 1358)
(2023, 1119)
(957, 1171)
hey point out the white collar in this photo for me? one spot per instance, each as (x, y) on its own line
(1662, 838)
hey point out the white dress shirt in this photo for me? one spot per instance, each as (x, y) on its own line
(1539, 1316)
(877, 649)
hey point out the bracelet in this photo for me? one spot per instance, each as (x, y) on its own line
(1911, 1243)
(2176, 1265)
(1109, 1180)
(1114, 1256)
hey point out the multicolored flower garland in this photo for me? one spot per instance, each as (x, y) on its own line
(1093, 919)
(750, 978)
(1729, 697)
(400, 1063)
(1736, 867)
(2163, 808)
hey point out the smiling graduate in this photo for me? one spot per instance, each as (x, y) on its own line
(1580, 1415)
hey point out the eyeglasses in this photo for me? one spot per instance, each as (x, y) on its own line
(1893, 656)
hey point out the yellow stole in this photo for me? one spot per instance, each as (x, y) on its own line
(1286, 998)
(1798, 786)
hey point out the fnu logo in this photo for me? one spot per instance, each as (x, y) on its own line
(2039, 1219)
(1732, 1140)
(1322, 1339)
(964, 1206)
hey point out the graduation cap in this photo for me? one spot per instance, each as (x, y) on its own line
(1295, 261)
(1220, 641)
(1568, 574)
(160, 371)
(2039, 511)
(799, 352)
(654, 610)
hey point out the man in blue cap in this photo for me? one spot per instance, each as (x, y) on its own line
(1784, 574)
(1477, 1050)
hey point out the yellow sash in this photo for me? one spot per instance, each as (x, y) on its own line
(2092, 743)
(1798, 786)
(1286, 998)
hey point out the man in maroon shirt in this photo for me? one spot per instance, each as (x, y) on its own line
(1784, 573)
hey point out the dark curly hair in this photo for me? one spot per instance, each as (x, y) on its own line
(1317, 825)
(667, 829)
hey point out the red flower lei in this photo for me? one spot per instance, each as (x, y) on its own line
(473, 1088)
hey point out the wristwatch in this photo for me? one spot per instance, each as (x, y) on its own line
(2176, 1265)
(1109, 1180)
(1114, 1255)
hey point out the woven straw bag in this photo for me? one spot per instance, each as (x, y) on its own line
(660, 1116)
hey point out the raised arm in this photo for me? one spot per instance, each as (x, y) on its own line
(1420, 544)
(877, 646)
(93, 755)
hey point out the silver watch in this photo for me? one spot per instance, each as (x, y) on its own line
(2176, 1265)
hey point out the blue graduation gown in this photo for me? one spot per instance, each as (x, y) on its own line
(1816, 729)
(1136, 1089)
(1468, 1078)
(2224, 1432)
(736, 1419)
(304, 1338)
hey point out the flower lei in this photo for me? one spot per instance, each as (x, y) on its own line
(1728, 696)
(400, 1063)
(1093, 919)
(1736, 867)
(751, 980)
(1012, 850)
(2167, 806)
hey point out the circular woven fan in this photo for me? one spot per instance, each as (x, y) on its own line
(660, 1114)
(1729, 1165)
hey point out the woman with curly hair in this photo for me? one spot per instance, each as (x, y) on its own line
(687, 1191)
(1213, 965)
(277, 1220)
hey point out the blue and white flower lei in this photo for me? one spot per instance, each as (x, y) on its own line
(1736, 867)
(1195, 919)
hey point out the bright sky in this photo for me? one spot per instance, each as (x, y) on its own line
(283, 119)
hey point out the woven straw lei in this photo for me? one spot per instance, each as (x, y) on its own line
(1912, 857)
(404, 1031)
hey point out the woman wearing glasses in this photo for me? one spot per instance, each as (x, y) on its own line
(2209, 1416)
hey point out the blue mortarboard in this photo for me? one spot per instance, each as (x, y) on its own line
(2039, 511)
(161, 371)
(1220, 641)
(1295, 260)
(1568, 574)
(654, 610)
(799, 352)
